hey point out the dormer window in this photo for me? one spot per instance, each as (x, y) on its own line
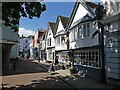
(86, 30)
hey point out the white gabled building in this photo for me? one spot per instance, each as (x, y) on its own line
(50, 42)
(112, 40)
(61, 38)
(86, 52)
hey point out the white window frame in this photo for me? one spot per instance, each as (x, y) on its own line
(88, 58)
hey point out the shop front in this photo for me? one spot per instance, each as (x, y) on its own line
(62, 56)
(89, 63)
(50, 54)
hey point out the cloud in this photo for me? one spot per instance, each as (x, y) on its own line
(25, 32)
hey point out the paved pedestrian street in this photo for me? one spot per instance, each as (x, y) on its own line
(31, 75)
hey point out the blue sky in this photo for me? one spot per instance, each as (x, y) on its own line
(29, 26)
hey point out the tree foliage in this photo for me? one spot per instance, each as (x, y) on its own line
(13, 11)
(99, 12)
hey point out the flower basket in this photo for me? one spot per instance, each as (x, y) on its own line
(72, 70)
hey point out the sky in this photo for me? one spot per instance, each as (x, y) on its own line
(29, 26)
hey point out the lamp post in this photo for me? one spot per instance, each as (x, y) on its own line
(99, 15)
(70, 54)
(39, 55)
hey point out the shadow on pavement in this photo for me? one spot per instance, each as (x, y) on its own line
(60, 81)
(84, 82)
(25, 67)
(46, 82)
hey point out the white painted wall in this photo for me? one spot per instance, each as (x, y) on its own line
(60, 46)
(50, 35)
(43, 44)
(51, 48)
(60, 27)
(81, 12)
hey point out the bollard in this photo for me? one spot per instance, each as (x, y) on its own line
(14, 66)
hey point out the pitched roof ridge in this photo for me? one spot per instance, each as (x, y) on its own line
(64, 20)
(51, 22)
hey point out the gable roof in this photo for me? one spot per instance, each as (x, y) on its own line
(52, 25)
(64, 21)
(87, 5)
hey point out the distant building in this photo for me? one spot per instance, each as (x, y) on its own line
(24, 46)
(36, 44)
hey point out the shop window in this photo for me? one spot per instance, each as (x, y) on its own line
(88, 58)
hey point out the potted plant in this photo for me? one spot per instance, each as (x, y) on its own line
(71, 68)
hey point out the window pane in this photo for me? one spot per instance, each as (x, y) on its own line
(84, 30)
(76, 31)
(88, 30)
(80, 31)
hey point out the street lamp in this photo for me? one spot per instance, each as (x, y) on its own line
(39, 47)
(70, 54)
